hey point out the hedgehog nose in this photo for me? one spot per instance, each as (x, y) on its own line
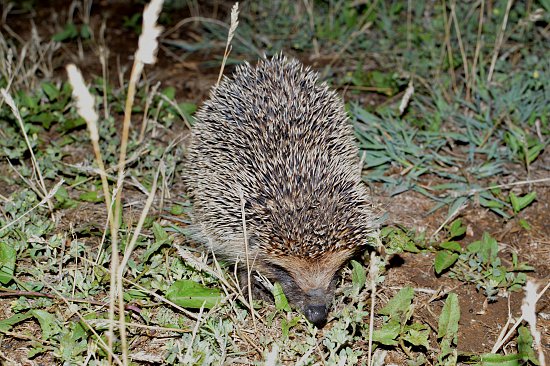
(317, 314)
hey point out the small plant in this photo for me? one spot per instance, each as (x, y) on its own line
(72, 31)
(397, 328)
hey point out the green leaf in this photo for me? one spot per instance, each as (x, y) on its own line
(8, 256)
(6, 324)
(417, 338)
(358, 276)
(85, 32)
(448, 320)
(69, 32)
(90, 196)
(159, 232)
(491, 359)
(70, 124)
(399, 304)
(190, 294)
(287, 324)
(64, 201)
(490, 203)
(448, 330)
(456, 229)
(50, 90)
(519, 203)
(453, 246)
(443, 260)
(169, 92)
(48, 323)
(524, 224)
(388, 334)
(281, 302)
(525, 345)
(534, 152)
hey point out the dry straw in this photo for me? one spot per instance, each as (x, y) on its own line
(146, 54)
(231, 33)
(529, 313)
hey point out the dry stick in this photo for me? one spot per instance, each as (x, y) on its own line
(449, 218)
(162, 299)
(143, 326)
(9, 100)
(248, 269)
(193, 336)
(130, 247)
(150, 95)
(531, 181)
(373, 273)
(230, 34)
(448, 45)
(497, 346)
(86, 109)
(145, 54)
(459, 37)
(499, 41)
(472, 77)
(309, 8)
(137, 68)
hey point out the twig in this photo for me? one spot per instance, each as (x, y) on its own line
(499, 41)
(246, 252)
(497, 346)
(472, 77)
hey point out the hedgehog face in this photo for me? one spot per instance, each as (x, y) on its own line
(309, 283)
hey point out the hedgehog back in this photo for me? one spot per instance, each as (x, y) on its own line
(280, 140)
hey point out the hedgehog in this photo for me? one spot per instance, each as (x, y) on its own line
(273, 155)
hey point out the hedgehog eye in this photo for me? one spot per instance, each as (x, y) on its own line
(281, 274)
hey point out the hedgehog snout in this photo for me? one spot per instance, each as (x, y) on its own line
(315, 307)
(316, 314)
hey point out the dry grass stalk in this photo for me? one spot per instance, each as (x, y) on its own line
(406, 98)
(500, 342)
(472, 77)
(499, 41)
(529, 313)
(248, 267)
(11, 103)
(85, 106)
(146, 54)
(86, 109)
(448, 24)
(459, 37)
(373, 275)
(230, 34)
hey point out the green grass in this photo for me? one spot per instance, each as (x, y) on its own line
(460, 142)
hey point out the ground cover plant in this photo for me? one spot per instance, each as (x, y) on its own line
(450, 104)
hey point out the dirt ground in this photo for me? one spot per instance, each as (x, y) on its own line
(192, 77)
